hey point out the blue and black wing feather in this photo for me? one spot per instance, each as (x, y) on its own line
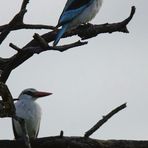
(72, 9)
(75, 4)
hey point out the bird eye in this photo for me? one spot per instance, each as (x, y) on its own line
(28, 93)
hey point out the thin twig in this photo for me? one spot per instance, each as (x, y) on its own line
(68, 46)
(44, 45)
(14, 47)
(24, 4)
(102, 121)
(34, 26)
(61, 134)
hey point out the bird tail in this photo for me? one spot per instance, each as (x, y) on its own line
(60, 34)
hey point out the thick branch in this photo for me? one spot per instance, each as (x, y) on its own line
(74, 142)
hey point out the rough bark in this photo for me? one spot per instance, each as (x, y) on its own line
(74, 142)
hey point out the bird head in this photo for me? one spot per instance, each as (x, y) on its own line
(33, 94)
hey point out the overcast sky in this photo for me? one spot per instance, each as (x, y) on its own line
(89, 81)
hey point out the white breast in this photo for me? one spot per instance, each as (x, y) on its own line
(31, 112)
(87, 15)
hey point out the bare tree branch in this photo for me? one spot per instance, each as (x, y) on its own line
(24, 4)
(18, 19)
(90, 31)
(34, 46)
(105, 119)
(17, 23)
(44, 45)
(14, 47)
(74, 142)
(25, 26)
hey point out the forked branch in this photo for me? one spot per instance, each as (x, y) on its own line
(18, 23)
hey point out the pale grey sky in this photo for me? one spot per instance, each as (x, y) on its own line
(87, 82)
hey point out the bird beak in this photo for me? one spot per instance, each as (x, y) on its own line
(39, 94)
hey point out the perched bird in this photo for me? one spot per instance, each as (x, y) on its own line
(75, 13)
(30, 111)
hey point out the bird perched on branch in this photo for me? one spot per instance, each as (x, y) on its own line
(75, 13)
(30, 111)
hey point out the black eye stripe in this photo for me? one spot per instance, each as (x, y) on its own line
(28, 93)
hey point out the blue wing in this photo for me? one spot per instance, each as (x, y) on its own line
(68, 3)
(60, 34)
(72, 9)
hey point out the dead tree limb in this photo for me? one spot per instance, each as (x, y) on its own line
(34, 46)
(74, 142)
(18, 23)
(104, 119)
